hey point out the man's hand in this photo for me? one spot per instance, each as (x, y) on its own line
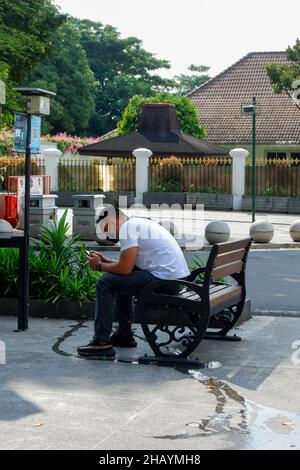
(125, 264)
(101, 258)
(93, 261)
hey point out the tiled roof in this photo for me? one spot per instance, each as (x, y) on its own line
(220, 99)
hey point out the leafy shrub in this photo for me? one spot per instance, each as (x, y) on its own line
(6, 142)
(170, 170)
(59, 269)
(272, 191)
(205, 189)
(196, 263)
(168, 186)
(69, 143)
(9, 272)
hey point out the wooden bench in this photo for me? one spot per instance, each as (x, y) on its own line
(174, 324)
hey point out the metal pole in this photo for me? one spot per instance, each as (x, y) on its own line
(23, 318)
(253, 158)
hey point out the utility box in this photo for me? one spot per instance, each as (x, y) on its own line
(87, 208)
(42, 210)
(39, 105)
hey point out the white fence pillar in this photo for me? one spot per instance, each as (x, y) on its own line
(52, 156)
(141, 173)
(238, 156)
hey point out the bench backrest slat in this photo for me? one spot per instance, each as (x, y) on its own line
(233, 246)
(227, 270)
(226, 259)
(229, 257)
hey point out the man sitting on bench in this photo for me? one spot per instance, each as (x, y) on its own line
(148, 253)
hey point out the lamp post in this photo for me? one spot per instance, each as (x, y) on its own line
(2, 98)
(251, 109)
(38, 103)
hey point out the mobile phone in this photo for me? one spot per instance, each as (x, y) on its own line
(88, 253)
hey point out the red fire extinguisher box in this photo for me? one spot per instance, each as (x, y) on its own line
(11, 209)
(2, 205)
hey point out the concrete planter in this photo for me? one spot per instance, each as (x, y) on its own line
(163, 198)
(111, 197)
(65, 199)
(73, 311)
(39, 309)
(266, 204)
(294, 205)
(211, 201)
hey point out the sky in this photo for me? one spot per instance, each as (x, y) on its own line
(215, 33)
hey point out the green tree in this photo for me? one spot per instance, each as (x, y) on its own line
(122, 69)
(282, 76)
(187, 83)
(186, 113)
(11, 99)
(66, 71)
(26, 32)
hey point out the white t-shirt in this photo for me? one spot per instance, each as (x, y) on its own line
(158, 253)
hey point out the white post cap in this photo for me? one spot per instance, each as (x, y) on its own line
(140, 153)
(239, 153)
(51, 152)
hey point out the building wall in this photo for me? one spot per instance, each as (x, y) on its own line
(261, 150)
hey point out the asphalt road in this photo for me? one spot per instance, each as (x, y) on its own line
(273, 280)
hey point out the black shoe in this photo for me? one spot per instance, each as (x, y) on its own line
(93, 349)
(123, 341)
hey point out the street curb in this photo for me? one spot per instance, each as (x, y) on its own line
(276, 313)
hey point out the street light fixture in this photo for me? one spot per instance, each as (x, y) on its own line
(251, 109)
(38, 103)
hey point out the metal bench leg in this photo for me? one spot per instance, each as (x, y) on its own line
(171, 361)
(221, 335)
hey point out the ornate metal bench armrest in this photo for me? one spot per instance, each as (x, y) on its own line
(196, 273)
(152, 286)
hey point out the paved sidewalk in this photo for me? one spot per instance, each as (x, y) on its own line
(239, 223)
(246, 398)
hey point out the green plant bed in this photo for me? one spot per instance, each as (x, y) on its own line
(59, 271)
(157, 197)
(266, 204)
(211, 201)
(294, 205)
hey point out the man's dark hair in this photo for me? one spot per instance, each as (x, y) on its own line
(105, 213)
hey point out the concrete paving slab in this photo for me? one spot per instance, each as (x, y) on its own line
(53, 401)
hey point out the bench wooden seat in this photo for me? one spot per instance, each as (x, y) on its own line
(213, 302)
